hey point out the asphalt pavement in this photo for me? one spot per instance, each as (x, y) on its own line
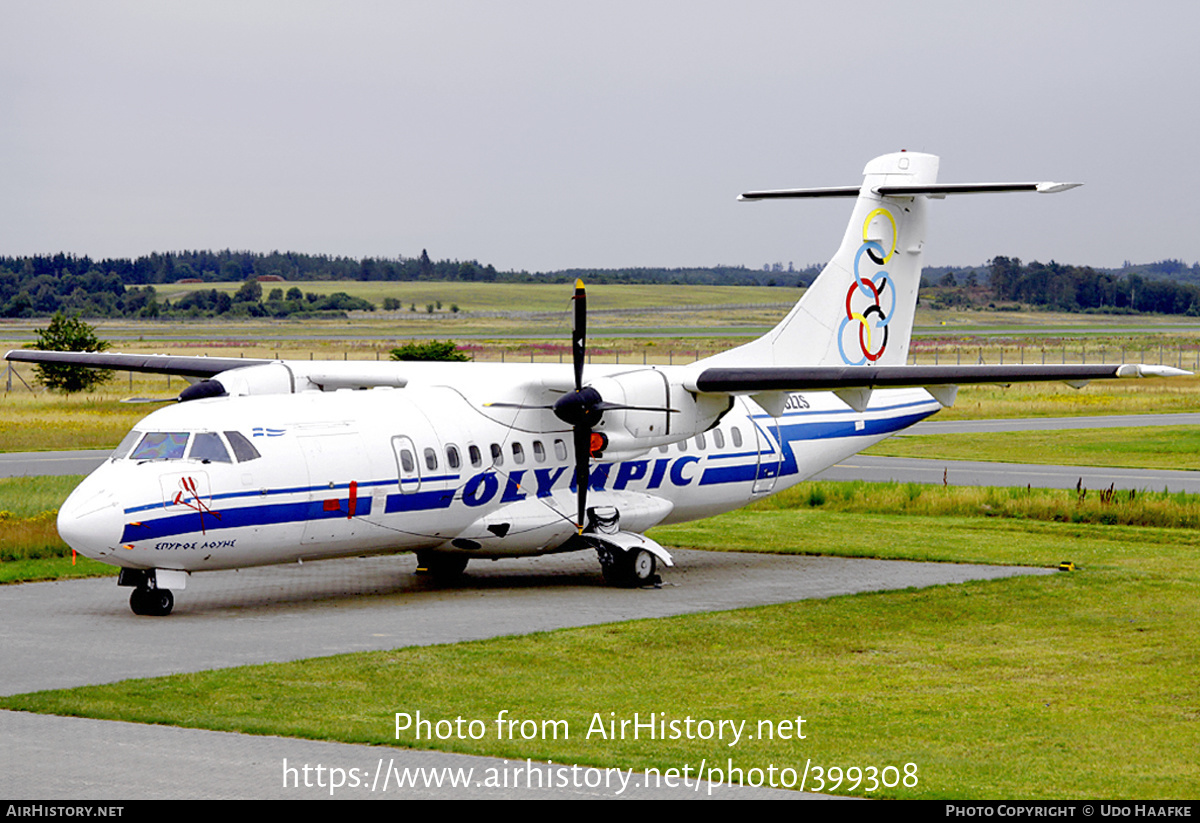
(72, 633)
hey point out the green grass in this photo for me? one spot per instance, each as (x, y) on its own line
(54, 567)
(1075, 685)
(1165, 447)
(30, 548)
(1100, 506)
(31, 496)
(53, 422)
(549, 297)
(1100, 397)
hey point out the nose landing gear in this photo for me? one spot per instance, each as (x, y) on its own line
(152, 602)
(150, 596)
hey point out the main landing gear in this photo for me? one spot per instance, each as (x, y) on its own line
(625, 558)
(443, 568)
(628, 568)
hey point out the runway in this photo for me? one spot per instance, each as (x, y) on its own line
(74, 633)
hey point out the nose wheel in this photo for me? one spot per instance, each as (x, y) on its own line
(152, 602)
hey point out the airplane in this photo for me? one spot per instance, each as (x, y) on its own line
(267, 462)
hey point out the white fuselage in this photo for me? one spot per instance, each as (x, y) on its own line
(425, 468)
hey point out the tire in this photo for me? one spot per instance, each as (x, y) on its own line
(443, 568)
(163, 602)
(642, 566)
(152, 602)
(629, 569)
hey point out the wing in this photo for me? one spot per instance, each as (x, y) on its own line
(198, 367)
(238, 375)
(854, 384)
(751, 379)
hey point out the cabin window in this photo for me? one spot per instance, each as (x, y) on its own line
(497, 455)
(682, 445)
(539, 451)
(452, 459)
(207, 446)
(243, 449)
(126, 444)
(737, 437)
(430, 459)
(475, 455)
(560, 449)
(161, 446)
(662, 449)
(701, 443)
(407, 464)
(518, 453)
(718, 438)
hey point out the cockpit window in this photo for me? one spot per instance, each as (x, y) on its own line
(207, 446)
(243, 449)
(126, 445)
(161, 446)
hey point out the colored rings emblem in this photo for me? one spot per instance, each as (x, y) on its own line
(871, 298)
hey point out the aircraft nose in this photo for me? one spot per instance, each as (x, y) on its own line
(90, 521)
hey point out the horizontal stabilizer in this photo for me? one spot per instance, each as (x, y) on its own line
(942, 189)
(753, 379)
(834, 191)
(937, 190)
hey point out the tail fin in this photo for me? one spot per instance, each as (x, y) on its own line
(859, 311)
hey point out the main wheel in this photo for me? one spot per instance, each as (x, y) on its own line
(643, 565)
(443, 568)
(629, 569)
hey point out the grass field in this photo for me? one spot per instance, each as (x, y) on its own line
(1163, 447)
(492, 297)
(687, 315)
(1078, 685)
(30, 548)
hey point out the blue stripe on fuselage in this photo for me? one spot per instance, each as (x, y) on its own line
(488, 486)
(270, 514)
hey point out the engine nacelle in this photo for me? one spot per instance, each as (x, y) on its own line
(267, 378)
(667, 413)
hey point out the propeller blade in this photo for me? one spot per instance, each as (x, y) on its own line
(606, 406)
(515, 406)
(583, 440)
(575, 408)
(579, 332)
(150, 400)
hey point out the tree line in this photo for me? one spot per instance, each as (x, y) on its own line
(1084, 289)
(40, 285)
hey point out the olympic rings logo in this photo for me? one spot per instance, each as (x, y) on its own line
(870, 300)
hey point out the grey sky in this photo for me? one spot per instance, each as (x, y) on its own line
(540, 135)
